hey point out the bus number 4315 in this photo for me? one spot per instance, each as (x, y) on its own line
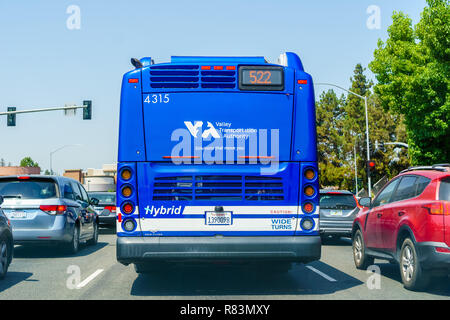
(157, 98)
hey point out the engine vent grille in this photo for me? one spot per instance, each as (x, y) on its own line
(217, 187)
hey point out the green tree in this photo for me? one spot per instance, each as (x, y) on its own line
(28, 162)
(341, 127)
(413, 72)
(329, 117)
(383, 127)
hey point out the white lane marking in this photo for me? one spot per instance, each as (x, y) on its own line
(89, 279)
(320, 273)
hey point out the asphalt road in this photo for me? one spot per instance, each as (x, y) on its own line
(49, 273)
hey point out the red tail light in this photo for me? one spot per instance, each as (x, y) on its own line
(127, 208)
(58, 209)
(308, 207)
(435, 208)
(23, 178)
(443, 250)
(111, 209)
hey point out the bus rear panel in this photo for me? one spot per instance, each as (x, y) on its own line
(218, 161)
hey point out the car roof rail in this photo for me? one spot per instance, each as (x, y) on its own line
(443, 167)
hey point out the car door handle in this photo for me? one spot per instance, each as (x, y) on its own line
(379, 215)
(400, 213)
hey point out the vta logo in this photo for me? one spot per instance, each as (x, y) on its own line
(194, 128)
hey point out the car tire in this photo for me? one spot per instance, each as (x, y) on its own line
(74, 245)
(361, 259)
(413, 276)
(4, 256)
(94, 239)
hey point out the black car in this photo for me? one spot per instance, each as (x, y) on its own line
(6, 243)
(106, 207)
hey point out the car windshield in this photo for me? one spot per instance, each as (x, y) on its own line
(28, 189)
(104, 198)
(337, 201)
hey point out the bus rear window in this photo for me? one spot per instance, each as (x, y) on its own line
(444, 189)
(28, 189)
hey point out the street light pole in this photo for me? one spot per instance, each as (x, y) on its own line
(369, 187)
(52, 152)
(369, 184)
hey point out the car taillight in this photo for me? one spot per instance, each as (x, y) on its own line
(443, 250)
(111, 209)
(53, 209)
(435, 208)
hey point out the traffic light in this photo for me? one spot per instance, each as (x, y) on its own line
(87, 112)
(370, 165)
(11, 120)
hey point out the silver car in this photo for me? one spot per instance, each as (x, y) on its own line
(106, 207)
(338, 209)
(49, 210)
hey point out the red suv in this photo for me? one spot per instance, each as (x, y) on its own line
(408, 222)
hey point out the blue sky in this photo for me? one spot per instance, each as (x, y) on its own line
(44, 64)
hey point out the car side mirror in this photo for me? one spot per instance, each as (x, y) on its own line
(1, 200)
(365, 202)
(94, 201)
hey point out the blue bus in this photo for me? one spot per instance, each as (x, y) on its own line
(217, 161)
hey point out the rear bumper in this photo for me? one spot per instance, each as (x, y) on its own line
(330, 227)
(110, 220)
(432, 259)
(57, 234)
(290, 249)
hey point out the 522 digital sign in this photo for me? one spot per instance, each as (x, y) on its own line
(259, 78)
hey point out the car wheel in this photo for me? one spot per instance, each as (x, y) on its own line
(411, 271)
(94, 239)
(74, 244)
(362, 260)
(4, 257)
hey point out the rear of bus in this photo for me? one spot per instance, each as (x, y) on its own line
(192, 183)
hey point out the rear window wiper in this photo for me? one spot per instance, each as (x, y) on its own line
(18, 197)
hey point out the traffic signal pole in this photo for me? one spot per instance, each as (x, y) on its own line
(43, 110)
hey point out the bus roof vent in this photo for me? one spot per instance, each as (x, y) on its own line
(225, 79)
(190, 76)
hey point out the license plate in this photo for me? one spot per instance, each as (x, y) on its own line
(224, 218)
(336, 213)
(18, 215)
